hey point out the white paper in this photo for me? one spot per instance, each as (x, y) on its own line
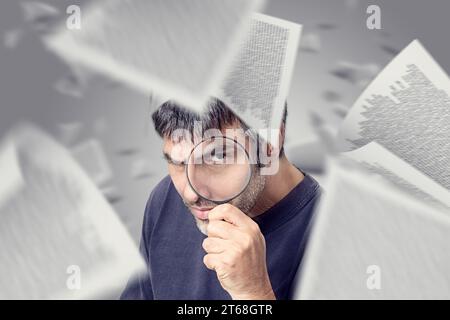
(178, 49)
(41, 16)
(364, 224)
(11, 175)
(141, 168)
(406, 109)
(258, 82)
(91, 156)
(57, 221)
(309, 156)
(379, 160)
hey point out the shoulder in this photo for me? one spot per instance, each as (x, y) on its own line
(308, 191)
(160, 194)
(313, 186)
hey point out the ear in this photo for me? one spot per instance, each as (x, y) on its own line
(281, 137)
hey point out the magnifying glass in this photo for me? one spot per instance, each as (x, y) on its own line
(218, 169)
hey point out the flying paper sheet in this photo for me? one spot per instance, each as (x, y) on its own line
(91, 156)
(371, 241)
(258, 82)
(11, 175)
(379, 160)
(406, 109)
(178, 49)
(59, 237)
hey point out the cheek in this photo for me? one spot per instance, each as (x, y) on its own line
(178, 178)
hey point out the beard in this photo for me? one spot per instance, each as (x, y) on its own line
(244, 202)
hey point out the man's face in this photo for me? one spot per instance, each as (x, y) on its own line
(176, 154)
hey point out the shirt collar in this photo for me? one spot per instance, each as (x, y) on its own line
(289, 206)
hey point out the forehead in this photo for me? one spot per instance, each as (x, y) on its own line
(185, 143)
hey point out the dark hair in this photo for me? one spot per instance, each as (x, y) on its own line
(171, 116)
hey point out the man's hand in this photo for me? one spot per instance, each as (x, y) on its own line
(236, 250)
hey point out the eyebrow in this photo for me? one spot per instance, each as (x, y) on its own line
(170, 160)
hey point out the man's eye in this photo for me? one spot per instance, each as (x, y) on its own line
(219, 157)
(177, 163)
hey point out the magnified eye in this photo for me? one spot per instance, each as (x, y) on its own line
(218, 169)
(218, 157)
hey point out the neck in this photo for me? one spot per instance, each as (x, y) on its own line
(277, 186)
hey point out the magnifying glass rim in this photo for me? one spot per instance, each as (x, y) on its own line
(218, 201)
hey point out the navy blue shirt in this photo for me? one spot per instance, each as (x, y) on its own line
(171, 245)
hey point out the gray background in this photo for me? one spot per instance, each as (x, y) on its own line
(120, 118)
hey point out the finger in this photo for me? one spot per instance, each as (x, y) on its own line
(228, 213)
(211, 261)
(221, 229)
(215, 245)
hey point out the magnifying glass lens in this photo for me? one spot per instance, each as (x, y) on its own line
(218, 169)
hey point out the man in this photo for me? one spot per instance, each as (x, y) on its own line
(248, 248)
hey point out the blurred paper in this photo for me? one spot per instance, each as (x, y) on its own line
(57, 225)
(257, 85)
(331, 96)
(389, 49)
(352, 4)
(370, 241)
(11, 38)
(69, 132)
(75, 83)
(379, 160)
(356, 74)
(326, 26)
(100, 126)
(406, 109)
(309, 156)
(111, 194)
(127, 151)
(339, 109)
(311, 43)
(179, 49)
(70, 85)
(40, 15)
(91, 156)
(11, 176)
(140, 169)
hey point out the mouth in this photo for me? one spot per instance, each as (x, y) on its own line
(200, 213)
